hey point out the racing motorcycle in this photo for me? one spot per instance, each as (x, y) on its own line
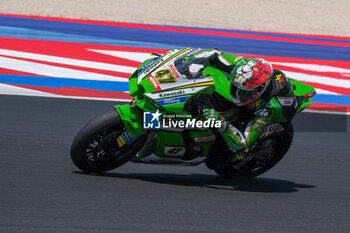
(161, 86)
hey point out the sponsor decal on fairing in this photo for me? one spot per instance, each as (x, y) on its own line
(153, 82)
(171, 94)
(148, 64)
(204, 139)
(168, 94)
(173, 101)
(285, 101)
(261, 121)
(274, 128)
(264, 112)
(257, 127)
(165, 58)
(174, 71)
(151, 66)
(174, 150)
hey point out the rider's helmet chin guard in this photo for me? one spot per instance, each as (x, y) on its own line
(249, 79)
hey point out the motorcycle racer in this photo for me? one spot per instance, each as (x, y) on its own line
(262, 95)
(251, 103)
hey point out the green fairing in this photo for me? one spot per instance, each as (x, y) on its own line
(277, 113)
(175, 108)
(146, 106)
(146, 86)
(233, 59)
(134, 89)
(301, 89)
(221, 81)
(132, 118)
(204, 144)
(166, 138)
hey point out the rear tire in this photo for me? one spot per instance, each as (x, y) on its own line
(281, 145)
(95, 149)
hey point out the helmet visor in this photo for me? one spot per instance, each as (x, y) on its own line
(243, 96)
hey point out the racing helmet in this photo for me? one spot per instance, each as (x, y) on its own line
(249, 80)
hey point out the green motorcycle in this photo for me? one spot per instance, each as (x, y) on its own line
(162, 124)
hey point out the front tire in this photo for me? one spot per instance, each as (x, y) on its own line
(95, 148)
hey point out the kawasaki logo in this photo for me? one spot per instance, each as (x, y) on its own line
(171, 94)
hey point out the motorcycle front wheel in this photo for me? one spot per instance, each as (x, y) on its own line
(95, 148)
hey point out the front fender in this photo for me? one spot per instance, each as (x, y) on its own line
(132, 118)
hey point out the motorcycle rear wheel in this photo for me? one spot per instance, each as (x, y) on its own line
(95, 149)
(281, 144)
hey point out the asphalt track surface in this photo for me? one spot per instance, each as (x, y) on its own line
(42, 191)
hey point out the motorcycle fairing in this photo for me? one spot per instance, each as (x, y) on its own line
(161, 62)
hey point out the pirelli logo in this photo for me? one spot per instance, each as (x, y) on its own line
(154, 82)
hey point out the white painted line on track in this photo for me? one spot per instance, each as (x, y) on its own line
(318, 79)
(322, 91)
(68, 97)
(12, 90)
(68, 61)
(135, 56)
(313, 67)
(326, 112)
(54, 71)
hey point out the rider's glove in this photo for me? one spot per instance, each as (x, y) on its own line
(211, 114)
